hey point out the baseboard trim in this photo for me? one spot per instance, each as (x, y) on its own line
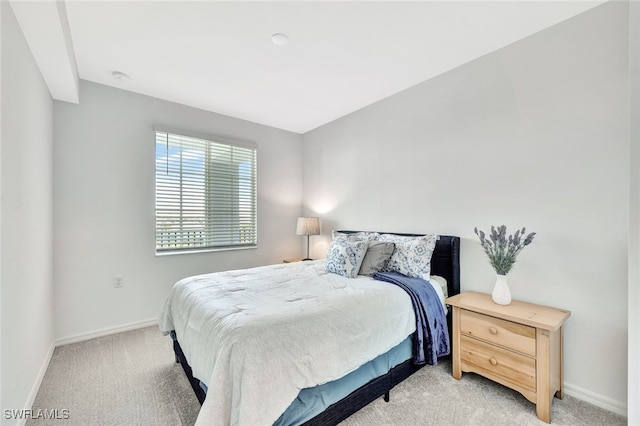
(36, 385)
(106, 331)
(595, 399)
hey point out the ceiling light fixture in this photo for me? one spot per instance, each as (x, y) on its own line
(120, 76)
(280, 39)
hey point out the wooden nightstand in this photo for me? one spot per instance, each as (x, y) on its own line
(517, 345)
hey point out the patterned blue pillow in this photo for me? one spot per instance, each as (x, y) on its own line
(412, 255)
(345, 257)
(356, 236)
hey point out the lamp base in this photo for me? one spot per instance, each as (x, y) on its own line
(305, 259)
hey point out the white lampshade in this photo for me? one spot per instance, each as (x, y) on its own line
(308, 226)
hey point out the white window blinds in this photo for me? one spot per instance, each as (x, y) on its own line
(205, 194)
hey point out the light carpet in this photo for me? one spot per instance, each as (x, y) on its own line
(131, 378)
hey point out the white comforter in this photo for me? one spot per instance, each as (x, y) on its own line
(258, 336)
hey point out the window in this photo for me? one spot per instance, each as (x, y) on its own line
(205, 194)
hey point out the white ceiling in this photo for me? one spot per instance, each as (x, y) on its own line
(218, 55)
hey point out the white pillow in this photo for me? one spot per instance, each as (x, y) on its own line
(442, 281)
(412, 255)
(345, 257)
(439, 284)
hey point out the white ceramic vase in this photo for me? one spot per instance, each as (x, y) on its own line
(501, 294)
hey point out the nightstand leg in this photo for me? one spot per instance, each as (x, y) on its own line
(544, 411)
(560, 392)
(543, 385)
(455, 361)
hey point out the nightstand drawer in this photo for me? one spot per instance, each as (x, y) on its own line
(499, 363)
(509, 334)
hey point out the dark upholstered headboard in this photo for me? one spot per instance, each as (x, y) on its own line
(445, 261)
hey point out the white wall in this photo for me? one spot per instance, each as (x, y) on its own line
(533, 135)
(1, 106)
(634, 215)
(104, 155)
(26, 220)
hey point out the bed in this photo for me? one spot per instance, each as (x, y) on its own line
(358, 383)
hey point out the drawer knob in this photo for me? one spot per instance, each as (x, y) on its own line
(493, 330)
(493, 361)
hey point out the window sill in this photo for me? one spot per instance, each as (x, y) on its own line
(204, 250)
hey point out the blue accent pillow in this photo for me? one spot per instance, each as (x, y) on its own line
(345, 257)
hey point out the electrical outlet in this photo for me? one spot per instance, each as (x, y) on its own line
(117, 282)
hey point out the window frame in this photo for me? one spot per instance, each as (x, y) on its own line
(216, 139)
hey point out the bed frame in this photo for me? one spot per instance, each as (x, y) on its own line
(445, 262)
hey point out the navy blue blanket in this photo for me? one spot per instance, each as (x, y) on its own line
(431, 338)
